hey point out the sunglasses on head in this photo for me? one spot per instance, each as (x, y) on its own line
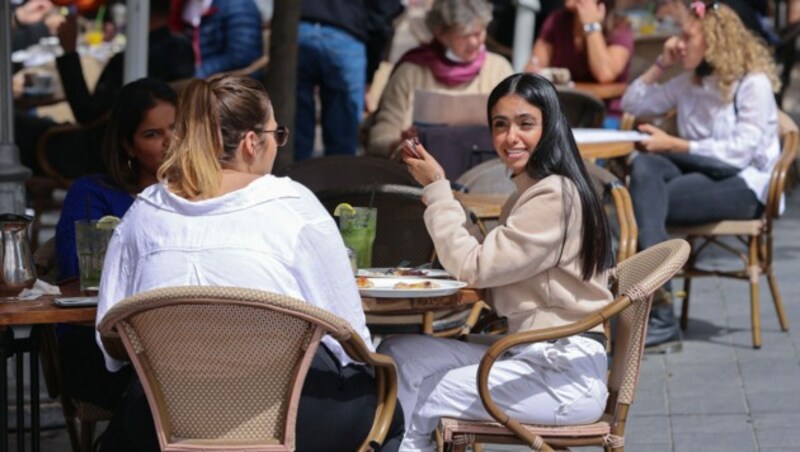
(699, 8)
(281, 134)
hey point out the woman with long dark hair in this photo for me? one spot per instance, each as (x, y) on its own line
(136, 139)
(544, 266)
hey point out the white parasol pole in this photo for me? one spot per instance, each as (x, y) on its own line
(12, 174)
(137, 26)
(523, 32)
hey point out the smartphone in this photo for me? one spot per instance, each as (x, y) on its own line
(410, 148)
(76, 301)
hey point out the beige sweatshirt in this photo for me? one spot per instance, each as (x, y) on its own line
(518, 261)
(394, 114)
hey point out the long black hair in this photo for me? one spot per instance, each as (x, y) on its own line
(133, 102)
(557, 153)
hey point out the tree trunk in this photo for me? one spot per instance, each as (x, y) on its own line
(281, 78)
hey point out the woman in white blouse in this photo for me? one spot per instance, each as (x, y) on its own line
(219, 218)
(719, 165)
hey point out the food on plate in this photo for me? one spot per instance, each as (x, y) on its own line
(364, 283)
(416, 285)
(408, 272)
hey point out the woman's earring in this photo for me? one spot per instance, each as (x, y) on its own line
(130, 164)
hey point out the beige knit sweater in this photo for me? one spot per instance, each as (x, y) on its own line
(518, 261)
(394, 114)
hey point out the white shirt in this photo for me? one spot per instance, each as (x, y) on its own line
(272, 235)
(747, 138)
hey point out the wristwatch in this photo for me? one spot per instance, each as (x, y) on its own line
(592, 27)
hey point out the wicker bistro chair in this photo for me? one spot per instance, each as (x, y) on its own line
(756, 234)
(636, 279)
(402, 236)
(80, 416)
(582, 108)
(608, 187)
(223, 367)
(337, 171)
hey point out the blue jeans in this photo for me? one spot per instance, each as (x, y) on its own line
(664, 195)
(336, 62)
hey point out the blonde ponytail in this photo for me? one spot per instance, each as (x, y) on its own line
(212, 119)
(191, 166)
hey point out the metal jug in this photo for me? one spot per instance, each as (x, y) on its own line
(18, 267)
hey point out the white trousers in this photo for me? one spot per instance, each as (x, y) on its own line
(558, 384)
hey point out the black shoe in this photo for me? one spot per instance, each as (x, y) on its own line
(663, 332)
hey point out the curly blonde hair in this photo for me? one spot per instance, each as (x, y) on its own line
(734, 51)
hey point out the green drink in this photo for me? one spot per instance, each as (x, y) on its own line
(357, 227)
(91, 240)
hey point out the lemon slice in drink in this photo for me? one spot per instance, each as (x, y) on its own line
(108, 222)
(343, 208)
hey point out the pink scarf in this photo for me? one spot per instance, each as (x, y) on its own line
(446, 72)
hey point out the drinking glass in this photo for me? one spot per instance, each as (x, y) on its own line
(91, 242)
(358, 232)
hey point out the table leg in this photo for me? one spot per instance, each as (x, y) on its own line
(20, 400)
(6, 350)
(33, 353)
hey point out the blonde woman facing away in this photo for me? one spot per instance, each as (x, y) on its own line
(218, 217)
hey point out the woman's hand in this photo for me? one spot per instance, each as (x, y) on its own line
(661, 141)
(422, 166)
(669, 55)
(590, 11)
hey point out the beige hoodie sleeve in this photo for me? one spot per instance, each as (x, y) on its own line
(527, 244)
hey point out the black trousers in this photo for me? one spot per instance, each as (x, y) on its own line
(663, 193)
(335, 413)
(85, 375)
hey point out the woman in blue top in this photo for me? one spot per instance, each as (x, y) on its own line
(137, 137)
(136, 141)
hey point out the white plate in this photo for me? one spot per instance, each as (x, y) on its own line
(69, 302)
(384, 288)
(388, 272)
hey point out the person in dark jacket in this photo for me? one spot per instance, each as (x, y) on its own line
(341, 43)
(226, 35)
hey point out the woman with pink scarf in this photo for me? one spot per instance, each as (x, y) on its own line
(455, 61)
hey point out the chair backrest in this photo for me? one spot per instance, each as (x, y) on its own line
(623, 223)
(339, 171)
(582, 109)
(491, 176)
(637, 278)
(401, 234)
(86, 138)
(220, 366)
(789, 138)
(457, 148)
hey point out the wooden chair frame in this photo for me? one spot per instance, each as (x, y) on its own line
(608, 184)
(122, 341)
(637, 278)
(755, 235)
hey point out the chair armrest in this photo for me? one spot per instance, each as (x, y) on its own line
(386, 380)
(527, 337)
